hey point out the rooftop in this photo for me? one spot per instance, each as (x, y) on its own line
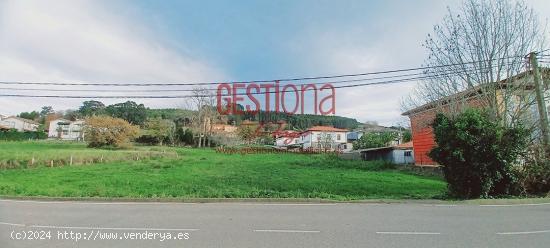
(472, 92)
(326, 129)
(23, 120)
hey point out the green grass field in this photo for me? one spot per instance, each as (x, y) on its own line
(43, 153)
(203, 173)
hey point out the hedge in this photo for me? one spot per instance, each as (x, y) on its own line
(14, 135)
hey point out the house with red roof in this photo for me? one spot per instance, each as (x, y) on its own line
(287, 138)
(324, 138)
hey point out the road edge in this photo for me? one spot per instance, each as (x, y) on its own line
(512, 201)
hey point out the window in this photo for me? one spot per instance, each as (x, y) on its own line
(407, 153)
(338, 136)
(318, 137)
(65, 132)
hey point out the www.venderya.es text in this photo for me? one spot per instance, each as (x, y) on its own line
(97, 235)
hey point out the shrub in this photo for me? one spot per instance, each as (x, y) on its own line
(104, 131)
(534, 175)
(477, 154)
(184, 136)
(161, 130)
(375, 139)
(14, 135)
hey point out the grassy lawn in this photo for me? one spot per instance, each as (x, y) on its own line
(205, 173)
(40, 153)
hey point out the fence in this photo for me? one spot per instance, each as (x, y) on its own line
(262, 150)
(69, 160)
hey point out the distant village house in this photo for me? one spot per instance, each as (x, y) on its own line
(20, 124)
(66, 130)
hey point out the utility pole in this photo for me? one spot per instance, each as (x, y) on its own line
(541, 104)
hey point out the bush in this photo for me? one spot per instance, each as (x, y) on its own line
(14, 135)
(534, 175)
(375, 139)
(477, 154)
(104, 131)
(164, 131)
(184, 136)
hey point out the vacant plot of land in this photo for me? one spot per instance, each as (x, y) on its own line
(205, 173)
(56, 153)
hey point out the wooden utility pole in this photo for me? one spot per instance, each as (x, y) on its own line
(541, 104)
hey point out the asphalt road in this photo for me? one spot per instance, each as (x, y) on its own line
(88, 224)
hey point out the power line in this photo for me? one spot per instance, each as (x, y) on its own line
(191, 90)
(215, 95)
(257, 81)
(211, 95)
(426, 74)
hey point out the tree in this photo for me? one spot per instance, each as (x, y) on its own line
(496, 35)
(101, 131)
(70, 114)
(407, 135)
(46, 110)
(184, 136)
(34, 115)
(130, 111)
(325, 141)
(374, 139)
(204, 102)
(477, 153)
(247, 133)
(161, 130)
(91, 108)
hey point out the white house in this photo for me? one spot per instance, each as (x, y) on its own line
(287, 138)
(323, 137)
(66, 130)
(21, 124)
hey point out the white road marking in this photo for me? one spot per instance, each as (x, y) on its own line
(100, 228)
(515, 205)
(11, 224)
(410, 233)
(529, 232)
(288, 231)
(439, 205)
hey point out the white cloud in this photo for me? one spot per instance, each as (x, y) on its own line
(392, 42)
(81, 41)
(395, 44)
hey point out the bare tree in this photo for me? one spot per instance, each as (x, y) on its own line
(204, 102)
(478, 49)
(325, 141)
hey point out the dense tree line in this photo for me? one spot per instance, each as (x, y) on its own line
(184, 126)
(296, 121)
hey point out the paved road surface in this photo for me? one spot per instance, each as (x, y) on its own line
(271, 225)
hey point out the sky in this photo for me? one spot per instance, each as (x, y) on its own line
(214, 41)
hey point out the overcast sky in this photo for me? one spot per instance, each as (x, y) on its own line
(214, 41)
